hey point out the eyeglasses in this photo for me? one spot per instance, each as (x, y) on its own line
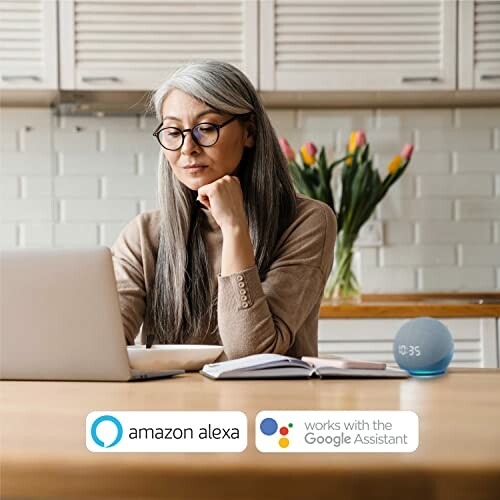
(204, 134)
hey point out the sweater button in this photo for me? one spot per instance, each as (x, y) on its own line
(241, 284)
(245, 304)
(244, 298)
(239, 277)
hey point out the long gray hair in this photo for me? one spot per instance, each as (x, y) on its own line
(182, 302)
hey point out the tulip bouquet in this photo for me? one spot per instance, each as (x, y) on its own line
(361, 189)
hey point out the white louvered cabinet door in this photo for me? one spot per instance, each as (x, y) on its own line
(135, 45)
(479, 44)
(358, 45)
(28, 44)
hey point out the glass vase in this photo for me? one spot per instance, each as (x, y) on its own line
(343, 286)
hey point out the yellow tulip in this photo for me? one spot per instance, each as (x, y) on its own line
(309, 159)
(352, 141)
(395, 164)
(352, 146)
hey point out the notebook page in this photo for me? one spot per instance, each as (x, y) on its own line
(255, 361)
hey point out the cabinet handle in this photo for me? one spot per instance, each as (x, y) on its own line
(490, 77)
(411, 79)
(8, 78)
(89, 79)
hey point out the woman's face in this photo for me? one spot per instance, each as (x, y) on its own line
(183, 111)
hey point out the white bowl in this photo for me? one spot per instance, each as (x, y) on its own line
(172, 356)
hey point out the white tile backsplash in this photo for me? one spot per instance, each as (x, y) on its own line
(75, 141)
(466, 139)
(91, 163)
(474, 117)
(496, 232)
(485, 161)
(37, 235)
(29, 210)
(480, 255)
(393, 208)
(417, 255)
(283, 118)
(83, 234)
(479, 209)
(342, 119)
(97, 210)
(76, 187)
(9, 141)
(460, 185)
(415, 118)
(128, 186)
(9, 188)
(386, 280)
(464, 279)
(16, 163)
(8, 236)
(36, 187)
(453, 232)
(77, 181)
(398, 233)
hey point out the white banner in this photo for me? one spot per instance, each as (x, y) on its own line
(166, 431)
(336, 431)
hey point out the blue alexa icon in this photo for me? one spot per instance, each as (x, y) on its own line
(106, 418)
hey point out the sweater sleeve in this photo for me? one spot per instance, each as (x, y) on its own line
(257, 316)
(130, 254)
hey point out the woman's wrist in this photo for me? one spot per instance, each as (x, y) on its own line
(237, 249)
(234, 230)
(235, 224)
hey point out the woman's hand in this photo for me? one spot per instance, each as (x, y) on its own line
(224, 198)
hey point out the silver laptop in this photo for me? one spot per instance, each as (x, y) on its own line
(60, 317)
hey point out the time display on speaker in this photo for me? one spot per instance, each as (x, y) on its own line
(409, 350)
(423, 347)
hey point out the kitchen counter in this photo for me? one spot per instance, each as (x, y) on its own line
(460, 305)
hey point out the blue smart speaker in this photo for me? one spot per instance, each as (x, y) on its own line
(423, 347)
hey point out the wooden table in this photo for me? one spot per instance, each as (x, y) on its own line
(43, 452)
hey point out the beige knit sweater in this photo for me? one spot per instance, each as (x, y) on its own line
(278, 314)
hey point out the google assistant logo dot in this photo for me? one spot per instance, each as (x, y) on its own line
(269, 426)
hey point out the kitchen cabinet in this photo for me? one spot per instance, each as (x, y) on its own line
(282, 45)
(116, 45)
(479, 44)
(28, 45)
(341, 45)
(476, 339)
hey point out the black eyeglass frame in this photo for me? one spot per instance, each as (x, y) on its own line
(160, 127)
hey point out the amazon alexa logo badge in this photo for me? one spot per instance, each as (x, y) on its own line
(106, 431)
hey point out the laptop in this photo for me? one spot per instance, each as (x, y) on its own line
(60, 317)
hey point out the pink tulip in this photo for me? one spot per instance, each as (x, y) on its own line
(311, 148)
(287, 149)
(360, 138)
(407, 151)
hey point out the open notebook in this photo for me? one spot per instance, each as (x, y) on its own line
(265, 366)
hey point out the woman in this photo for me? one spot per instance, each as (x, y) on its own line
(233, 256)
